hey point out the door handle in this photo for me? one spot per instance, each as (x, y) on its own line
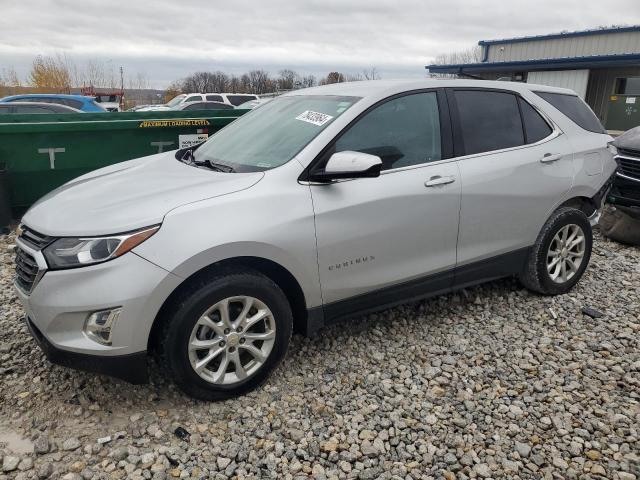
(438, 180)
(550, 157)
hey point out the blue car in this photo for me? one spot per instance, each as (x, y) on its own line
(80, 102)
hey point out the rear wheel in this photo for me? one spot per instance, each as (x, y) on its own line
(561, 253)
(227, 335)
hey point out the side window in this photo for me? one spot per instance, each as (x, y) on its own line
(31, 109)
(574, 107)
(535, 127)
(214, 98)
(489, 120)
(193, 98)
(70, 102)
(196, 106)
(240, 99)
(403, 131)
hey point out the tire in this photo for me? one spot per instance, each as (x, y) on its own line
(537, 275)
(188, 339)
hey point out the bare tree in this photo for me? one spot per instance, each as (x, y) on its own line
(470, 55)
(371, 74)
(259, 81)
(245, 83)
(198, 82)
(9, 78)
(288, 80)
(234, 85)
(308, 81)
(333, 77)
(219, 82)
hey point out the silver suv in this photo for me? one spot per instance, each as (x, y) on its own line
(320, 205)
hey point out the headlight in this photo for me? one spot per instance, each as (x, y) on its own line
(78, 252)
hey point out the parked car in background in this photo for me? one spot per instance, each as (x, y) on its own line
(232, 99)
(626, 187)
(111, 103)
(79, 102)
(251, 104)
(149, 108)
(203, 106)
(320, 205)
(36, 107)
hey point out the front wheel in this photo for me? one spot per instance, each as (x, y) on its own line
(227, 335)
(561, 253)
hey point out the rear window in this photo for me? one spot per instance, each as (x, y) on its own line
(574, 108)
(240, 99)
(214, 98)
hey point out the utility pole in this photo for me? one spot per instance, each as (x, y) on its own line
(121, 88)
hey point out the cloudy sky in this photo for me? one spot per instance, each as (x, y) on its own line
(168, 39)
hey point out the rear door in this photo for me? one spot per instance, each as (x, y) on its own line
(398, 230)
(515, 166)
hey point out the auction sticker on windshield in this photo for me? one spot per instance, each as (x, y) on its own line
(316, 118)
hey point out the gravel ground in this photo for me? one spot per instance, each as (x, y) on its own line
(491, 382)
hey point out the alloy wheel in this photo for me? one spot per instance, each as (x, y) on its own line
(231, 340)
(566, 253)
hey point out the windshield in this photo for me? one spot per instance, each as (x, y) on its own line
(176, 100)
(273, 134)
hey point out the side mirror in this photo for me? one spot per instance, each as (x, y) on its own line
(348, 164)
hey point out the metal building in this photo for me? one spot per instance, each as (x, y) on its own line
(602, 66)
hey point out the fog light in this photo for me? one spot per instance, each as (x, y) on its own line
(99, 324)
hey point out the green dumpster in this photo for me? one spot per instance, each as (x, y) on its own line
(43, 151)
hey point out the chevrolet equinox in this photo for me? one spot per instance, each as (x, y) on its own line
(322, 204)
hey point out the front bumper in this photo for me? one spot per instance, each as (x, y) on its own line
(60, 303)
(131, 368)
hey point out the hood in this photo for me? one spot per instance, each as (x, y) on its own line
(629, 139)
(129, 195)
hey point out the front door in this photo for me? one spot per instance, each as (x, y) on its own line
(397, 230)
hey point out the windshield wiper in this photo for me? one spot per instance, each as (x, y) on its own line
(218, 167)
(190, 159)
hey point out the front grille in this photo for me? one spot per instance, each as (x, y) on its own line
(628, 152)
(26, 270)
(629, 163)
(35, 240)
(630, 168)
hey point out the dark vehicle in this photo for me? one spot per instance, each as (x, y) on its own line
(625, 191)
(36, 107)
(203, 106)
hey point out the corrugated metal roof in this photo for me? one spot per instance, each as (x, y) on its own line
(568, 63)
(578, 33)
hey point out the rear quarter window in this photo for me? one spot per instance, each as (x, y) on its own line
(574, 107)
(239, 99)
(535, 127)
